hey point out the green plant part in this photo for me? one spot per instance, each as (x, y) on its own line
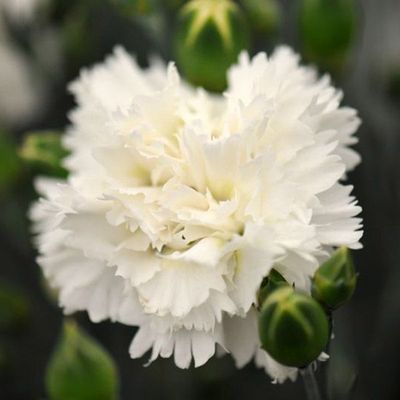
(335, 280)
(264, 15)
(272, 282)
(293, 327)
(80, 368)
(327, 31)
(45, 152)
(209, 36)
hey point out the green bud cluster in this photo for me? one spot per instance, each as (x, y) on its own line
(294, 328)
(209, 36)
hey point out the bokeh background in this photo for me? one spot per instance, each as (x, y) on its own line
(44, 44)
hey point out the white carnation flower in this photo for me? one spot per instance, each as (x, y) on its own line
(179, 202)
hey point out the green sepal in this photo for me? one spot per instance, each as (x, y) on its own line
(270, 283)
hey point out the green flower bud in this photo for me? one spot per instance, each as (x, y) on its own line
(293, 327)
(327, 28)
(44, 151)
(335, 280)
(209, 37)
(272, 282)
(264, 15)
(80, 369)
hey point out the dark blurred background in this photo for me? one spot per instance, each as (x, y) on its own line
(48, 47)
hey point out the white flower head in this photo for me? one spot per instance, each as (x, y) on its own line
(179, 202)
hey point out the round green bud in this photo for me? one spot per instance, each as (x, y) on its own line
(335, 280)
(80, 368)
(293, 327)
(327, 30)
(209, 36)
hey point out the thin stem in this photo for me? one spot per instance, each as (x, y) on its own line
(310, 383)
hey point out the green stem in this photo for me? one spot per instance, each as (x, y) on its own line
(310, 383)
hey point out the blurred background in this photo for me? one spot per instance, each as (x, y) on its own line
(43, 46)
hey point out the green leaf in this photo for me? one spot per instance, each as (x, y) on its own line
(44, 152)
(80, 368)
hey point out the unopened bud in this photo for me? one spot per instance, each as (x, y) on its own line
(327, 29)
(209, 37)
(335, 280)
(293, 327)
